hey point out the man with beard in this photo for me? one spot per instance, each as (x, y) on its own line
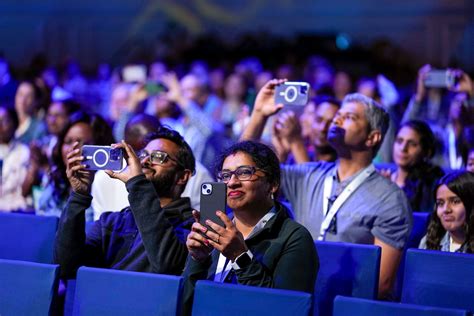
(147, 236)
(346, 200)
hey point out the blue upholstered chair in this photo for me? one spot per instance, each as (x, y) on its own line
(213, 298)
(438, 278)
(27, 288)
(363, 307)
(115, 292)
(27, 237)
(345, 269)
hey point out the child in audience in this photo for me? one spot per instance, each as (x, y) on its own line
(452, 221)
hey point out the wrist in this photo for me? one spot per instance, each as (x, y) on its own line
(242, 261)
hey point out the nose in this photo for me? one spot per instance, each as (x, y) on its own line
(337, 120)
(233, 181)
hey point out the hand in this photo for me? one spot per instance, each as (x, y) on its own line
(387, 173)
(79, 178)
(134, 166)
(174, 94)
(137, 96)
(420, 83)
(198, 246)
(288, 127)
(265, 101)
(282, 147)
(227, 240)
(464, 84)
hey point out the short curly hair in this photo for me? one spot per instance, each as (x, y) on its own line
(261, 154)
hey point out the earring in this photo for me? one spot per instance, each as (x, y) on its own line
(271, 196)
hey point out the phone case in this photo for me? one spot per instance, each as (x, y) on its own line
(102, 157)
(213, 198)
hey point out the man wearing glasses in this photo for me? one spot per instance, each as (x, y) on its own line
(148, 236)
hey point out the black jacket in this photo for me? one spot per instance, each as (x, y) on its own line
(284, 257)
(143, 237)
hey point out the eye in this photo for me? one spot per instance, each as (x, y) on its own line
(246, 172)
(439, 203)
(456, 200)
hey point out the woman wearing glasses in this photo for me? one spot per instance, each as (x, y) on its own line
(259, 245)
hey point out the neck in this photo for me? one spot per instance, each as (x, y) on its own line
(246, 220)
(324, 154)
(165, 201)
(458, 236)
(400, 176)
(349, 167)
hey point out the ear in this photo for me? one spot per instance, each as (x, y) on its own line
(373, 139)
(184, 177)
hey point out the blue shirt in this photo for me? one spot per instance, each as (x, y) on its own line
(377, 208)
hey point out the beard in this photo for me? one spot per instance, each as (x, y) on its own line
(165, 183)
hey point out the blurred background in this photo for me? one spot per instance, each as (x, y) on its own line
(364, 36)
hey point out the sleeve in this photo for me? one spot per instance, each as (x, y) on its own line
(412, 110)
(204, 123)
(393, 223)
(422, 244)
(72, 248)
(165, 243)
(193, 272)
(296, 269)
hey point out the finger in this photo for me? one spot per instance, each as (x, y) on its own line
(72, 153)
(197, 216)
(198, 238)
(198, 227)
(223, 216)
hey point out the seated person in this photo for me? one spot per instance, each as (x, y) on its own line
(346, 201)
(470, 160)
(14, 160)
(82, 128)
(451, 223)
(260, 245)
(148, 236)
(415, 175)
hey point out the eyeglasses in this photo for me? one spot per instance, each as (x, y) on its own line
(157, 157)
(243, 173)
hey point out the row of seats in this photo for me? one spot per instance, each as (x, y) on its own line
(346, 269)
(30, 289)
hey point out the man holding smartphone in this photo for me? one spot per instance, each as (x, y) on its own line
(346, 201)
(148, 236)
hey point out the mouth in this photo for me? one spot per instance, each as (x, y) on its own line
(235, 194)
(448, 219)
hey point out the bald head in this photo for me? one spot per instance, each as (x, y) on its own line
(138, 127)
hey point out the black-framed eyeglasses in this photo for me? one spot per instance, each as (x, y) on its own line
(157, 157)
(243, 173)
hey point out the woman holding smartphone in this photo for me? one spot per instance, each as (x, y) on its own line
(259, 245)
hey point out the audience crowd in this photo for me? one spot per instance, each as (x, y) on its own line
(350, 166)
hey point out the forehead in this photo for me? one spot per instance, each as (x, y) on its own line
(236, 160)
(162, 144)
(408, 132)
(326, 109)
(353, 107)
(80, 131)
(56, 107)
(444, 191)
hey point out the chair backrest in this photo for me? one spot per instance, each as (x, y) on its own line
(116, 292)
(438, 278)
(345, 269)
(27, 237)
(212, 298)
(27, 288)
(420, 223)
(363, 307)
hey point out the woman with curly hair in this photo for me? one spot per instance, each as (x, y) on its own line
(84, 128)
(451, 226)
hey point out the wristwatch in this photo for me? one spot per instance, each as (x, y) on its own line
(243, 260)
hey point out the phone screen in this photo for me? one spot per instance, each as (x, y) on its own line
(213, 198)
(134, 73)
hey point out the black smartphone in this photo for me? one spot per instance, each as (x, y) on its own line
(213, 198)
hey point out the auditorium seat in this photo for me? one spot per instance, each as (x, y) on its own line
(344, 306)
(116, 292)
(213, 298)
(438, 278)
(27, 288)
(345, 269)
(27, 237)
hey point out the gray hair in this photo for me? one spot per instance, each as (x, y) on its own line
(375, 114)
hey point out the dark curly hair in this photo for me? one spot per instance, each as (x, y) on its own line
(462, 184)
(261, 154)
(101, 134)
(185, 154)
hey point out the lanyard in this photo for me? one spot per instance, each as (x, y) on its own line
(330, 213)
